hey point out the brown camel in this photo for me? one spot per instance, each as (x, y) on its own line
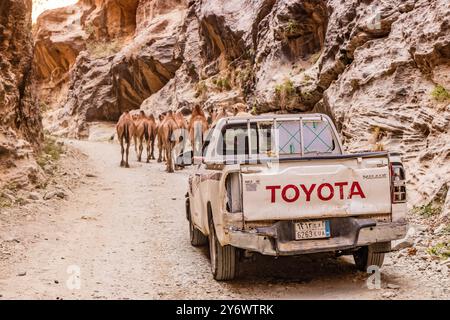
(125, 128)
(181, 135)
(198, 125)
(240, 110)
(167, 130)
(180, 120)
(135, 117)
(219, 114)
(152, 137)
(145, 132)
(161, 156)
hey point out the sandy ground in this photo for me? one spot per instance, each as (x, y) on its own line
(122, 234)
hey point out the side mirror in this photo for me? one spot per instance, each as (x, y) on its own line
(184, 159)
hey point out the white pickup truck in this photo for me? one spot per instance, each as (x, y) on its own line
(281, 185)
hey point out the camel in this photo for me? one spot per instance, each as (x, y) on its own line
(161, 156)
(166, 132)
(180, 135)
(152, 130)
(135, 118)
(217, 115)
(145, 131)
(179, 119)
(125, 128)
(198, 125)
(240, 110)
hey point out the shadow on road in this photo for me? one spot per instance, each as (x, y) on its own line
(293, 269)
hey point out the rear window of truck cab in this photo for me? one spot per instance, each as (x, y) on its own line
(285, 138)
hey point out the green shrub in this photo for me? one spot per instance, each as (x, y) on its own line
(435, 206)
(222, 83)
(286, 88)
(285, 94)
(427, 210)
(50, 151)
(245, 75)
(441, 250)
(291, 27)
(226, 83)
(446, 229)
(5, 202)
(44, 107)
(201, 89)
(11, 186)
(440, 94)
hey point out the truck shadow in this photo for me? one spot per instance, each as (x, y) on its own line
(312, 276)
(304, 268)
(294, 269)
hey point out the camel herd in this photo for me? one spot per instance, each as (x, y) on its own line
(171, 129)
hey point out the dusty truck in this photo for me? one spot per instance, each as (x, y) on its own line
(282, 185)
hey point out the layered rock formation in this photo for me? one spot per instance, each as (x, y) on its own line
(20, 124)
(379, 68)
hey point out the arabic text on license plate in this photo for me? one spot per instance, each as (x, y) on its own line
(312, 230)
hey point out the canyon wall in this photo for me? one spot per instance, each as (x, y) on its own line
(379, 68)
(20, 123)
(92, 63)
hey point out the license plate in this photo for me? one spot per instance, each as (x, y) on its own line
(312, 230)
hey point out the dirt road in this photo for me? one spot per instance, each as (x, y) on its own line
(122, 234)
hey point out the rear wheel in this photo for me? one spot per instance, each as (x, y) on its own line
(197, 237)
(224, 259)
(372, 255)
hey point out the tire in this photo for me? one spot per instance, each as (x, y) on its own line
(197, 237)
(224, 259)
(367, 256)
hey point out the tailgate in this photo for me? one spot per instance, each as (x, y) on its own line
(321, 188)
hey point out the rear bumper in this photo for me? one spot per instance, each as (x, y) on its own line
(346, 233)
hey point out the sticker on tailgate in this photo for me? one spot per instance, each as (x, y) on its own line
(251, 185)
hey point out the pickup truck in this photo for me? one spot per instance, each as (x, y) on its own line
(282, 185)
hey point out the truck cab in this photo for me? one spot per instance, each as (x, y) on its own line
(282, 185)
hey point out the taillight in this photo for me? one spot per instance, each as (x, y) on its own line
(398, 183)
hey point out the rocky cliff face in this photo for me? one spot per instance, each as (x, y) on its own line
(20, 124)
(104, 57)
(379, 68)
(388, 93)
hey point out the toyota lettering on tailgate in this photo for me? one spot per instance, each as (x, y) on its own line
(324, 191)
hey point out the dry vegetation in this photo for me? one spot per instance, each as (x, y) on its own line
(286, 95)
(103, 49)
(51, 151)
(440, 94)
